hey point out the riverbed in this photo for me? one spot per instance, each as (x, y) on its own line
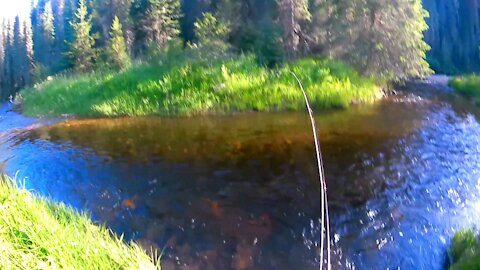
(241, 191)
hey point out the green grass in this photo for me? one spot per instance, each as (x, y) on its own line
(469, 86)
(36, 233)
(182, 86)
(465, 250)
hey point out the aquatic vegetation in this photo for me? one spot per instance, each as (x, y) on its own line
(36, 233)
(190, 85)
(465, 250)
(469, 86)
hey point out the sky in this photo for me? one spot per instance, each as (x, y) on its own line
(11, 8)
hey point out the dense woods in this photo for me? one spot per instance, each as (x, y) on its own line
(453, 35)
(379, 37)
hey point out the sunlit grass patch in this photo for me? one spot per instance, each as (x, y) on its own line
(465, 250)
(193, 86)
(468, 86)
(36, 233)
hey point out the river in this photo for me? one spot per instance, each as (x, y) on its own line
(241, 191)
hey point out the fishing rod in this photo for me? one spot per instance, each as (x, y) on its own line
(323, 184)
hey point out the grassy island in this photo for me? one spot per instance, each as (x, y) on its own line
(182, 86)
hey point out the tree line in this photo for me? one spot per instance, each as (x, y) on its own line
(379, 37)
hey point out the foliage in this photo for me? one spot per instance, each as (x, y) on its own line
(117, 48)
(441, 67)
(157, 21)
(47, 23)
(82, 49)
(465, 250)
(379, 37)
(468, 86)
(36, 233)
(268, 46)
(211, 32)
(186, 86)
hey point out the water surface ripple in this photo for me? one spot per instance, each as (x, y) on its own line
(240, 192)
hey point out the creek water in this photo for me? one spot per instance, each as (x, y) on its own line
(241, 191)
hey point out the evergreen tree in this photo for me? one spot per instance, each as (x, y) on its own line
(249, 21)
(61, 25)
(82, 49)
(28, 59)
(210, 31)
(47, 23)
(104, 12)
(3, 37)
(380, 37)
(117, 47)
(7, 83)
(18, 55)
(156, 22)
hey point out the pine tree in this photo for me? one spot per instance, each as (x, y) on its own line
(117, 47)
(28, 59)
(104, 12)
(210, 31)
(82, 49)
(47, 23)
(3, 37)
(379, 37)
(156, 21)
(7, 83)
(59, 48)
(18, 55)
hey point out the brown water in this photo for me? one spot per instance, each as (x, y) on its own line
(241, 192)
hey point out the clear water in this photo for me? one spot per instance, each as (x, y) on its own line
(241, 192)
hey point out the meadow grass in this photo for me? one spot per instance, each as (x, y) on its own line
(465, 250)
(188, 87)
(36, 233)
(468, 85)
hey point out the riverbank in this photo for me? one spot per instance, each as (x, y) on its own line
(36, 233)
(465, 250)
(468, 86)
(182, 86)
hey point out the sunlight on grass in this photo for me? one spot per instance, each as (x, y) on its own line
(38, 234)
(191, 87)
(465, 250)
(469, 86)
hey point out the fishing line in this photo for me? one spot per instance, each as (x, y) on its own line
(323, 185)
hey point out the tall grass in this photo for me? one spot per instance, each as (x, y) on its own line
(465, 250)
(38, 234)
(183, 86)
(468, 86)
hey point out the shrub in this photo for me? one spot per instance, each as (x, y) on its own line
(468, 86)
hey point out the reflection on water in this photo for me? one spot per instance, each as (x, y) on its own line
(241, 192)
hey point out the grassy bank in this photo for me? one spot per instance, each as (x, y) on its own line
(38, 234)
(468, 86)
(186, 87)
(465, 250)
